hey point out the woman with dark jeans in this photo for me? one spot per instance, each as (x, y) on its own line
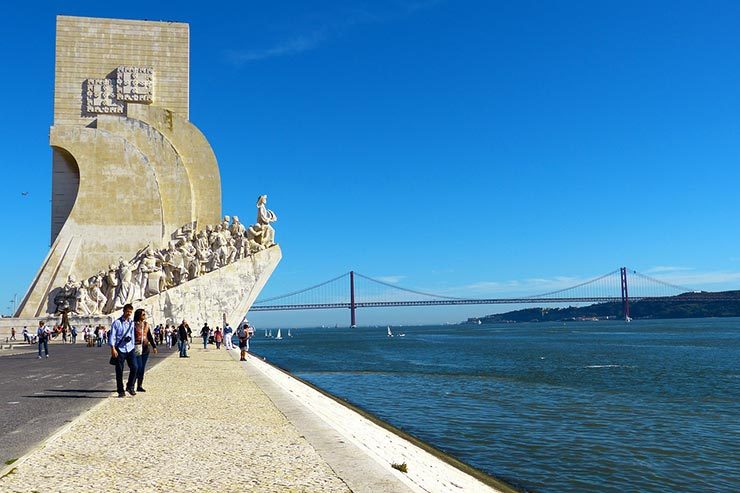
(143, 340)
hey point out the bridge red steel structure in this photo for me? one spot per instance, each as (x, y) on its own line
(558, 296)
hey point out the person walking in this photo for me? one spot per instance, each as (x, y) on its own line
(26, 337)
(228, 337)
(74, 334)
(122, 347)
(144, 341)
(242, 334)
(182, 338)
(168, 336)
(12, 333)
(204, 333)
(42, 334)
(217, 337)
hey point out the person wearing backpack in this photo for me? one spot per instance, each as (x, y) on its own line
(43, 337)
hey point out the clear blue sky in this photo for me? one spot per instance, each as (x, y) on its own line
(474, 148)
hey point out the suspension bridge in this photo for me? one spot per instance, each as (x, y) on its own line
(353, 290)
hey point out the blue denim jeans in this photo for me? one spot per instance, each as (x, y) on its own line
(205, 342)
(130, 359)
(45, 344)
(183, 348)
(141, 366)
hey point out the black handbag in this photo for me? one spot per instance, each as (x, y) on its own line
(113, 360)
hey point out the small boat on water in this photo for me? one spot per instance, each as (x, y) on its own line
(266, 333)
(390, 334)
(279, 335)
(289, 334)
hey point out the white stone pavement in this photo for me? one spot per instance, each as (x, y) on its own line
(210, 423)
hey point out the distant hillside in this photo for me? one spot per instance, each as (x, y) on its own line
(686, 305)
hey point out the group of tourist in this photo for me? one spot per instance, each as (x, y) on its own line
(131, 342)
(91, 336)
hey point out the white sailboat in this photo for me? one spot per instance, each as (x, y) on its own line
(266, 333)
(390, 334)
(289, 334)
(279, 335)
(270, 333)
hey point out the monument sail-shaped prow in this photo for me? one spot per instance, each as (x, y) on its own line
(130, 170)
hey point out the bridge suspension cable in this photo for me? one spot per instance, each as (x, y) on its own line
(552, 294)
(399, 288)
(343, 292)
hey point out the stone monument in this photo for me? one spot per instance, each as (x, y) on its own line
(136, 189)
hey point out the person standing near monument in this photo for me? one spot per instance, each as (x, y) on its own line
(204, 333)
(242, 334)
(43, 334)
(218, 337)
(122, 345)
(228, 337)
(144, 339)
(12, 333)
(182, 337)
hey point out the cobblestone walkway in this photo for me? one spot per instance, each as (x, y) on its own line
(202, 425)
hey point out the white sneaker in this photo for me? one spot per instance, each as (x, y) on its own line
(39, 357)
(47, 355)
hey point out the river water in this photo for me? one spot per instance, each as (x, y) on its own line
(650, 406)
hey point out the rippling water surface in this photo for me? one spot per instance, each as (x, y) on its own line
(650, 406)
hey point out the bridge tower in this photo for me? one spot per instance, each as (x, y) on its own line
(352, 306)
(625, 294)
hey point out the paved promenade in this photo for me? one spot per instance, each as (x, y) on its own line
(38, 396)
(202, 425)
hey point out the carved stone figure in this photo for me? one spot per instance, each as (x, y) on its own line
(264, 217)
(111, 282)
(126, 289)
(204, 252)
(254, 238)
(219, 247)
(85, 304)
(242, 246)
(66, 299)
(187, 252)
(237, 228)
(95, 292)
(152, 279)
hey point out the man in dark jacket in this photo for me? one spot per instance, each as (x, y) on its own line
(182, 336)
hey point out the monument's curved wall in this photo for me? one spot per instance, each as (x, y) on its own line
(129, 168)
